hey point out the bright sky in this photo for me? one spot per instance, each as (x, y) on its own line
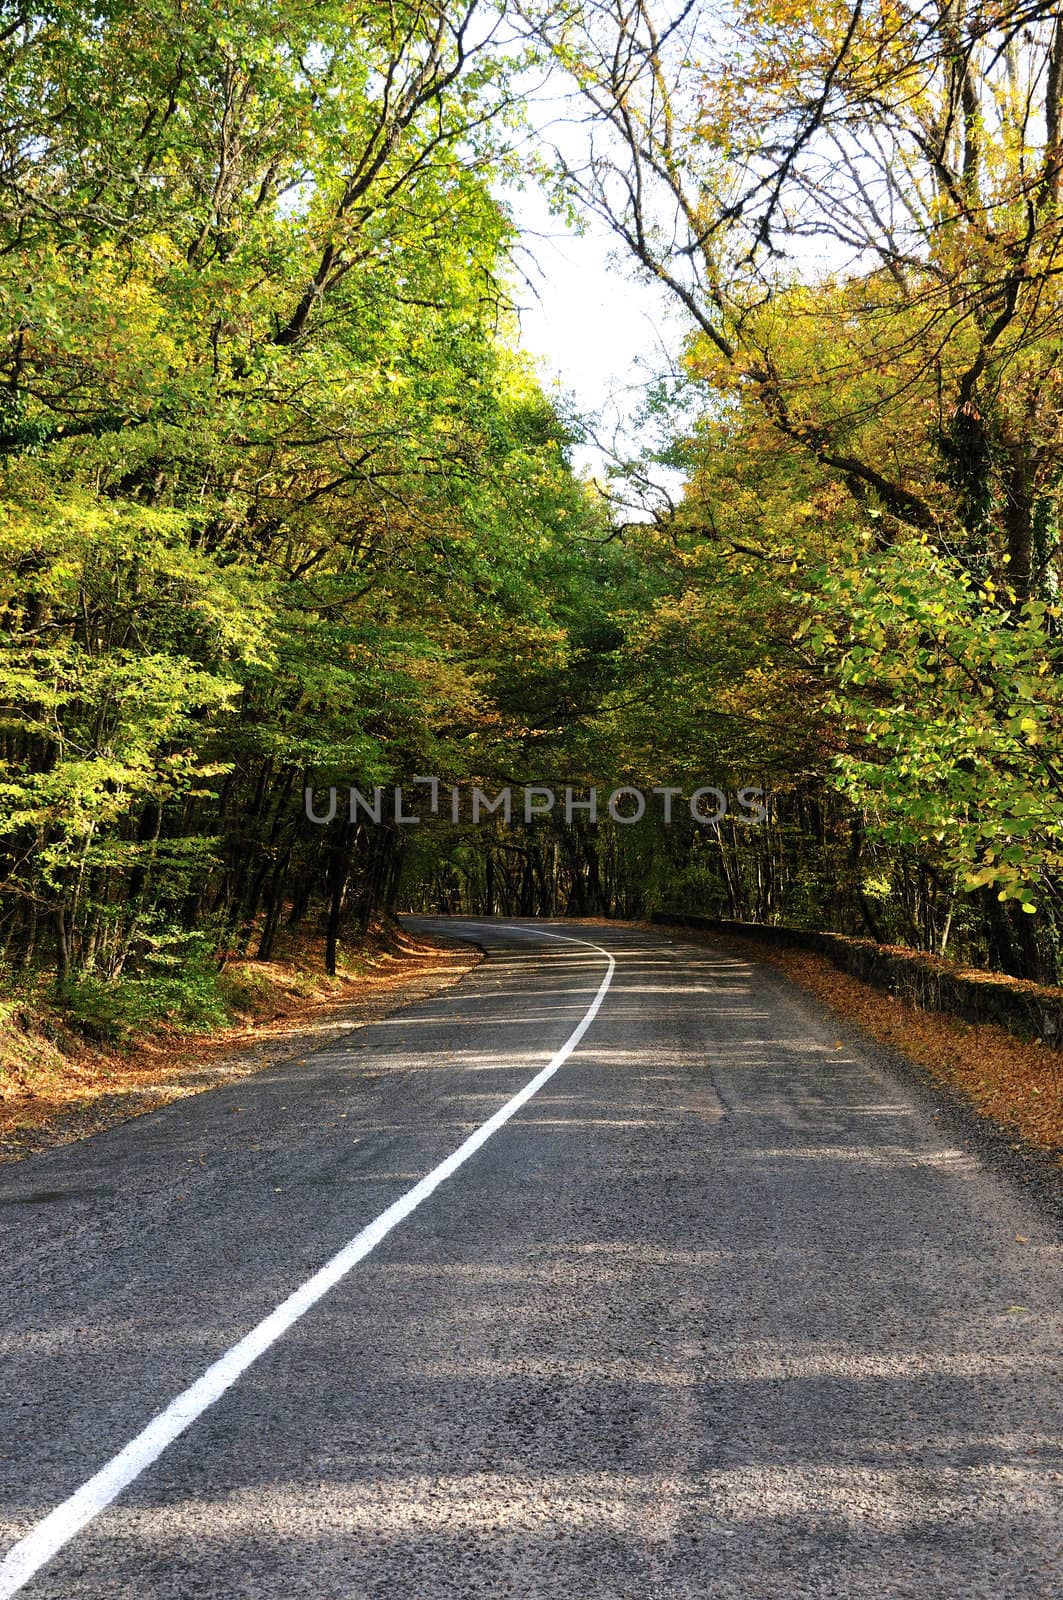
(597, 332)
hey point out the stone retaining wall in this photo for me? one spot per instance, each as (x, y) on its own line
(1026, 1009)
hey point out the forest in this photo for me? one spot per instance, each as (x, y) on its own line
(285, 505)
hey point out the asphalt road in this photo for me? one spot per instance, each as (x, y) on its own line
(720, 1311)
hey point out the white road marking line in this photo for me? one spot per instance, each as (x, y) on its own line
(60, 1526)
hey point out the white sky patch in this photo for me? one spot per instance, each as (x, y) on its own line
(597, 332)
(600, 332)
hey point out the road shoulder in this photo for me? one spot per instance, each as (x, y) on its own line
(103, 1089)
(934, 1057)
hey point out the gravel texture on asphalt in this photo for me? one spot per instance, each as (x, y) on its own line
(723, 1312)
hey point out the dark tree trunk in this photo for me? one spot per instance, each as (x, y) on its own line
(62, 946)
(1001, 948)
(339, 871)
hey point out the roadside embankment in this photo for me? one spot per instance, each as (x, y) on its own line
(58, 1085)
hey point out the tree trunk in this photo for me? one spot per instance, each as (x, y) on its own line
(62, 946)
(339, 871)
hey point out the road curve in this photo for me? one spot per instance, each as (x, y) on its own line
(717, 1312)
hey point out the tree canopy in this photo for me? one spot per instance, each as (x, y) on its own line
(284, 505)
